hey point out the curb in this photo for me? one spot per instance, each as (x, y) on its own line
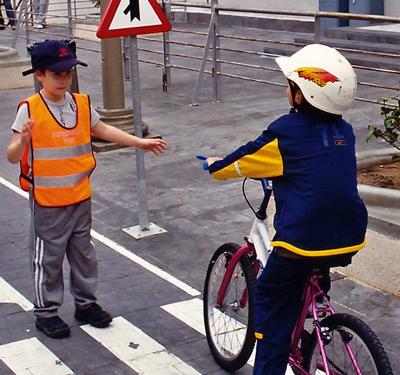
(383, 204)
(367, 159)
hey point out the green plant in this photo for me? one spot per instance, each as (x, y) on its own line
(390, 130)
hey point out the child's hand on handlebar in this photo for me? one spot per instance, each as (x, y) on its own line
(212, 160)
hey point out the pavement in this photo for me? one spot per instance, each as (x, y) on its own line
(153, 286)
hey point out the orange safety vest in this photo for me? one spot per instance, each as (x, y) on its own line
(61, 159)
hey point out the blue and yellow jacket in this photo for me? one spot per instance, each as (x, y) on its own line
(312, 164)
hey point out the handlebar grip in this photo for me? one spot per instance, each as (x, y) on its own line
(202, 157)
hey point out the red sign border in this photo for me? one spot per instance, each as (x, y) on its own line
(103, 30)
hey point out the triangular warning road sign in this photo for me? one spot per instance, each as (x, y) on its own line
(132, 17)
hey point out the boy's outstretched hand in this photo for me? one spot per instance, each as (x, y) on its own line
(212, 160)
(155, 145)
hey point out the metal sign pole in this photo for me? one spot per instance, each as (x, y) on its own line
(137, 121)
(144, 229)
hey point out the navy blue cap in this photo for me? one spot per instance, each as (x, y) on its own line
(53, 55)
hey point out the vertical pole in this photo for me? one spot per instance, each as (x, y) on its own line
(166, 48)
(125, 58)
(21, 14)
(137, 120)
(69, 7)
(203, 62)
(75, 82)
(317, 28)
(216, 63)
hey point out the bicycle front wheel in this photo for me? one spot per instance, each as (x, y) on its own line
(230, 327)
(368, 352)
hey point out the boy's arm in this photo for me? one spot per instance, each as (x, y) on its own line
(16, 148)
(260, 158)
(18, 142)
(115, 135)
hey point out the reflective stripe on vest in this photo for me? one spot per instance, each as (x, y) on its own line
(62, 158)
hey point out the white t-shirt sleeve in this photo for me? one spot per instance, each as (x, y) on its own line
(95, 117)
(21, 118)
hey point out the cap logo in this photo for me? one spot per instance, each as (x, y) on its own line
(63, 52)
(316, 75)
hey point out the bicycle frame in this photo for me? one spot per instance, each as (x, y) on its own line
(312, 292)
(259, 242)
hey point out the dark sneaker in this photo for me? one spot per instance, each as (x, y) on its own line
(94, 315)
(53, 327)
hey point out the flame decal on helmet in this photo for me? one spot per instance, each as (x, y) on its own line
(317, 75)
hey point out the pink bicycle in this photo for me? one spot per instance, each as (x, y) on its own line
(323, 342)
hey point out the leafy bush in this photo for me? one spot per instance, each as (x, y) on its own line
(390, 129)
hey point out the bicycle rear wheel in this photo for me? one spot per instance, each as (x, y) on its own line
(368, 351)
(230, 327)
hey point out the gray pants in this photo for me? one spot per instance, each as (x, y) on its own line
(40, 10)
(56, 232)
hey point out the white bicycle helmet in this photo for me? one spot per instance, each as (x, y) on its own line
(324, 76)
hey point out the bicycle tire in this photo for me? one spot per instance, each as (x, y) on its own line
(367, 348)
(237, 320)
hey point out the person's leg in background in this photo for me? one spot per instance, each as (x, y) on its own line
(40, 8)
(2, 27)
(10, 13)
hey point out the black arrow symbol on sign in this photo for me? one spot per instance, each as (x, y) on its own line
(133, 9)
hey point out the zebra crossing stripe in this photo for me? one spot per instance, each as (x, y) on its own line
(31, 357)
(138, 350)
(191, 313)
(10, 295)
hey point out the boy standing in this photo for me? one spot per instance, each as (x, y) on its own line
(320, 220)
(52, 141)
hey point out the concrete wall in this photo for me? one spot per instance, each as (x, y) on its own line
(392, 8)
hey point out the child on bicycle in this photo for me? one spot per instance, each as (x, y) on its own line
(52, 140)
(320, 220)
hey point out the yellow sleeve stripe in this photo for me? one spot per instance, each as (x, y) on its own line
(318, 253)
(228, 172)
(259, 336)
(265, 162)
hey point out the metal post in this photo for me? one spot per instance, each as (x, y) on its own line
(137, 120)
(22, 17)
(216, 54)
(144, 229)
(203, 62)
(317, 28)
(125, 58)
(166, 48)
(70, 28)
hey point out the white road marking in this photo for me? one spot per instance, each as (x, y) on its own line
(138, 350)
(191, 313)
(123, 251)
(145, 264)
(14, 188)
(10, 295)
(31, 357)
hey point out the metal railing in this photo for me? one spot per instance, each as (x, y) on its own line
(194, 50)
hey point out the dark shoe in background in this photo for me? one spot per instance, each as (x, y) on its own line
(53, 327)
(94, 315)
